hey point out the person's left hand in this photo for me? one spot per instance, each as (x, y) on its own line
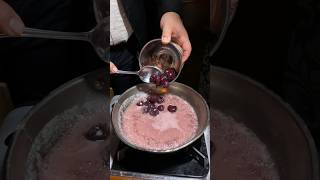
(173, 29)
(10, 23)
(113, 68)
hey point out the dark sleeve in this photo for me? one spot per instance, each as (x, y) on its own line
(164, 6)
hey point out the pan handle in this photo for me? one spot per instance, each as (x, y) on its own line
(114, 101)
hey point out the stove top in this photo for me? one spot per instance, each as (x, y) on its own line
(191, 162)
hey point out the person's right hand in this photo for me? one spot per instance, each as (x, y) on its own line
(10, 23)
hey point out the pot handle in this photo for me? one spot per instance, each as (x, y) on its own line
(114, 101)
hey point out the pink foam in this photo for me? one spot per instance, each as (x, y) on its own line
(239, 153)
(74, 157)
(165, 131)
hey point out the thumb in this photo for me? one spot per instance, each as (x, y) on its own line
(10, 23)
(166, 34)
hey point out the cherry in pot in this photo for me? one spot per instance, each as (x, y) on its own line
(172, 108)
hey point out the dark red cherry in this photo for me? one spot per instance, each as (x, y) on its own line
(172, 108)
(146, 103)
(163, 77)
(165, 84)
(160, 107)
(97, 132)
(140, 103)
(171, 73)
(160, 99)
(152, 106)
(153, 78)
(146, 109)
(152, 98)
(154, 112)
(170, 70)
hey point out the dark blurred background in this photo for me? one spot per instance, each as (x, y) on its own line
(279, 47)
(274, 43)
(33, 67)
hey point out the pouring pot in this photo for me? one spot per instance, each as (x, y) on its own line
(188, 94)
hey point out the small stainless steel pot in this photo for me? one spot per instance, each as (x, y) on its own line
(156, 48)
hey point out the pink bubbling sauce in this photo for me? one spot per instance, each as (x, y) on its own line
(239, 154)
(74, 157)
(164, 131)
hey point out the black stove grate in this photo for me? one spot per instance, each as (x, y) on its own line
(191, 162)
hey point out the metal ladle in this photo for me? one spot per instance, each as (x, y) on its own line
(98, 37)
(144, 73)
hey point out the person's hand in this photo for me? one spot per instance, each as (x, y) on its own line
(113, 68)
(10, 23)
(173, 29)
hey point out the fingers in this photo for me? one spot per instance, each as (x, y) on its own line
(173, 29)
(186, 46)
(10, 23)
(184, 42)
(113, 68)
(166, 34)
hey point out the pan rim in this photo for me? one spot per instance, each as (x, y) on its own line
(189, 142)
(21, 126)
(314, 156)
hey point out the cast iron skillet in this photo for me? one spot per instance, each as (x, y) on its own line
(274, 122)
(86, 94)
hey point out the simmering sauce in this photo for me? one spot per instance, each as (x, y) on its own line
(167, 130)
(239, 153)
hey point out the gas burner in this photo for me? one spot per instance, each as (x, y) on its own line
(191, 162)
